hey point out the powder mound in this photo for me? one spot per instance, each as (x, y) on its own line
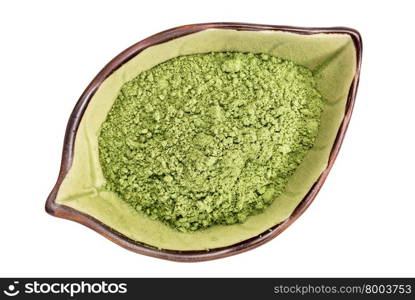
(209, 139)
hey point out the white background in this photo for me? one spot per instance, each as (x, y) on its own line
(361, 224)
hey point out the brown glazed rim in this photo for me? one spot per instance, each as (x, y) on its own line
(69, 213)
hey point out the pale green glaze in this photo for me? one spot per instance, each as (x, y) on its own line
(331, 57)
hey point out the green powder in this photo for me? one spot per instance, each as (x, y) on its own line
(209, 139)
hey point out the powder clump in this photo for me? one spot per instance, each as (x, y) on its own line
(209, 139)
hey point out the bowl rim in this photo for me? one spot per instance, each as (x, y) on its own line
(69, 213)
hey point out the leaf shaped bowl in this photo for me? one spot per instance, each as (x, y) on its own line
(334, 56)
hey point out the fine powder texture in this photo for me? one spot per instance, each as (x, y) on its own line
(211, 138)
